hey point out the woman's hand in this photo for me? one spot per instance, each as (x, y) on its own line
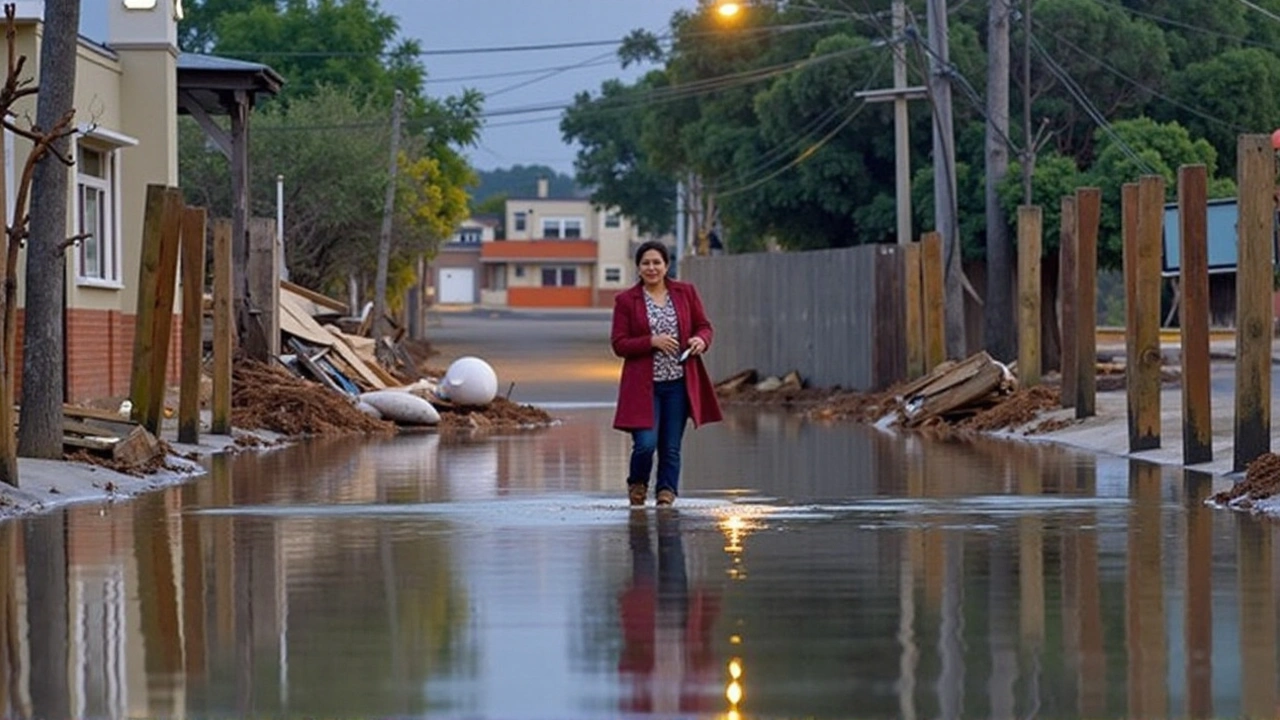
(697, 346)
(665, 343)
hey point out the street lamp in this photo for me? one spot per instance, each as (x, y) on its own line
(729, 9)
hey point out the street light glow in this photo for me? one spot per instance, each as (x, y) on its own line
(729, 9)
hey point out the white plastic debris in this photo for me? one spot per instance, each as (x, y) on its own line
(469, 381)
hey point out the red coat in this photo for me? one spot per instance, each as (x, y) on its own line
(631, 341)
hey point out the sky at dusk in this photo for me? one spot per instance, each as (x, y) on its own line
(452, 24)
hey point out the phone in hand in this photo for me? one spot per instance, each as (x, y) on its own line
(685, 355)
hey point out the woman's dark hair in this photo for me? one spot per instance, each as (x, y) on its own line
(652, 245)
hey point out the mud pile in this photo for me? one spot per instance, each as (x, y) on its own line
(265, 397)
(856, 407)
(1020, 408)
(501, 414)
(152, 466)
(1261, 481)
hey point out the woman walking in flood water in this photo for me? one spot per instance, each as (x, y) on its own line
(660, 329)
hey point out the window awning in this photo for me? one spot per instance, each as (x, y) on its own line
(106, 136)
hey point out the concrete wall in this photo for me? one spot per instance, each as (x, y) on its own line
(836, 316)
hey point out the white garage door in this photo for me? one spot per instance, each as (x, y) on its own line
(457, 285)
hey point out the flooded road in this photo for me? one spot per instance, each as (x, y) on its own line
(808, 571)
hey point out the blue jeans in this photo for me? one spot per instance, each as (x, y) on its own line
(670, 414)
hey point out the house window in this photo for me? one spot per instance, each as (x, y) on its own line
(613, 220)
(469, 236)
(613, 274)
(559, 277)
(99, 254)
(522, 221)
(519, 271)
(562, 228)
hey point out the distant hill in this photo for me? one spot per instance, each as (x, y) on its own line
(522, 181)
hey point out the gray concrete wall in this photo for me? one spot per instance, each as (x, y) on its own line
(836, 316)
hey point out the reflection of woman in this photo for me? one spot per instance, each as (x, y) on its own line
(655, 323)
(666, 630)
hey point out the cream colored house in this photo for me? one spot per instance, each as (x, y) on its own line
(127, 104)
(559, 252)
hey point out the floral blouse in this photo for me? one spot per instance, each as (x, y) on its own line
(662, 321)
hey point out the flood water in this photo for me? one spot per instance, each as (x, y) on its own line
(808, 571)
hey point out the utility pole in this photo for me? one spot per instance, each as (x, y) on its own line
(384, 239)
(944, 178)
(900, 95)
(998, 308)
(1029, 143)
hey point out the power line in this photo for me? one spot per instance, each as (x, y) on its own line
(517, 73)
(1260, 9)
(1187, 26)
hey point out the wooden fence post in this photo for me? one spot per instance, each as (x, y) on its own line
(1257, 169)
(1030, 219)
(1145, 361)
(224, 328)
(1129, 236)
(161, 236)
(935, 334)
(1193, 317)
(1088, 215)
(264, 279)
(1067, 296)
(914, 311)
(193, 230)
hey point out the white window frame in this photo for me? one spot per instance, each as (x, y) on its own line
(108, 143)
(561, 227)
(615, 269)
(520, 221)
(613, 220)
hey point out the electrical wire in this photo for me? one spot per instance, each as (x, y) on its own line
(1260, 9)
(1187, 26)
(1083, 101)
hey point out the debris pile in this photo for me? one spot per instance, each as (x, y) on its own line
(747, 388)
(369, 384)
(1261, 481)
(978, 394)
(270, 398)
(111, 440)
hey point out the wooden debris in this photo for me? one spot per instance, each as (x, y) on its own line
(963, 389)
(736, 382)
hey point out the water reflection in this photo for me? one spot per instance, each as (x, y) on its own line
(809, 570)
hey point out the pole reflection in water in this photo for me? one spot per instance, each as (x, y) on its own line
(48, 636)
(1198, 621)
(1146, 634)
(1257, 618)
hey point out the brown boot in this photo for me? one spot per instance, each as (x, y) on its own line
(636, 493)
(666, 498)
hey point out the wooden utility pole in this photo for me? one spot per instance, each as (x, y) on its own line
(998, 311)
(944, 176)
(1257, 171)
(388, 213)
(900, 94)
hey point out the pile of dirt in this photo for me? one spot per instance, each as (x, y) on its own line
(783, 397)
(1261, 481)
(501, 414)
(1016, 410)
(265, 397)
(155, 464)
(855, 406)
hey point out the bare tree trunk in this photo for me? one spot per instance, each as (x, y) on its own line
(40, 429)
(998, 318)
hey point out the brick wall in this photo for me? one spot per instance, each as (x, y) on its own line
(100, 353)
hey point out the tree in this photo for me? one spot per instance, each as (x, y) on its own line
(40, 432)
(16, 88)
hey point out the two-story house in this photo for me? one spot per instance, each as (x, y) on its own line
(456, 270)
(558, 252)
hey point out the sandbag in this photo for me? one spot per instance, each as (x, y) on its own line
(402, 408)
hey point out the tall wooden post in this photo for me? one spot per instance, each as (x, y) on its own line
(264, 279)
(1067, 296)
(1088, 215)
(1257, 168)
(915, 311)
(1143, 363)
(1129, 236)
(935, 328)
(193, 230)
(1193, 313)
(1030, 221)
(224, 327)
(161, 238)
